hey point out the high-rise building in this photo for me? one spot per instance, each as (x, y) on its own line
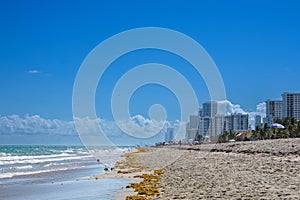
(268, 120)
(192, 127)
(237, 122)
(209, 109)
(240, 122)
(213, 108)
(169, 135)
(258, 121)
(194, 121)
(228, 123)
(274, 109)
(217, 125)
(213, 121)
(204, 126)
(291, 105)
(200, 111)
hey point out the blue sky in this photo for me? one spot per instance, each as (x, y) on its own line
(255, 44)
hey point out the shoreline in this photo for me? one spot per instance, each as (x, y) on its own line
(131, 169)
(58, 172)
(267, 169)
(69, 184)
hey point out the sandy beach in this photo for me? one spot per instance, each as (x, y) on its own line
(242, 170)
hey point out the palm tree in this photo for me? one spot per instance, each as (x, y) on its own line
(262, 134)
(255, 134)
(293, 120)
(298, 129)
(291, 130)
(267, 131)
(232, 135)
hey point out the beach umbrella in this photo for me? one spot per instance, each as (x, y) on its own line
(276, 125)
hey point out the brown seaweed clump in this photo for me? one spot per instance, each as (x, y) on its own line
(136, 198)
(148, 188)
(130, 165)
(159, 172)
(149, 185)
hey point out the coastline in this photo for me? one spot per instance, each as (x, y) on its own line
(57, 172)
(131, 169)
(266, 169)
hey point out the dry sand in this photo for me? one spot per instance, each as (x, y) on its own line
(241, 170)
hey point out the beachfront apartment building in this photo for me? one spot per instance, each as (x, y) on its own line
(240, 122)
(213, 108)
(258, 122)
(274, 109)
(208, 122)
(214, 126)
(291, 105)
(217, 125)
(209, 109)
(212, 121)
(204, 126)
(237, 122)
(192, 127)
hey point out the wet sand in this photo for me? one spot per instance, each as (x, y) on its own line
(81, 189)
(70, 184)
(241, 170)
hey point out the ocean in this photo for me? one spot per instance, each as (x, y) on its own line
(58, 172)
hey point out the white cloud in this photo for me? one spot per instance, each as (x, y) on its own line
(34, 71)
(87, 126)
(141, 127)
(137, 126)
(261, 109)
(14, 124)
(136, 129)
(227, 108)
(230, 108)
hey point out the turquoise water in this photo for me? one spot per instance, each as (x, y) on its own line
(62, 172)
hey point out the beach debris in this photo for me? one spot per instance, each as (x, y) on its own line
(149, 185)
(141, 150)
(159, 172)
(136, 198)
(106, 169)
(130, 165)
(124, 172)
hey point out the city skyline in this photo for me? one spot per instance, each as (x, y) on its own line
(215, 117)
